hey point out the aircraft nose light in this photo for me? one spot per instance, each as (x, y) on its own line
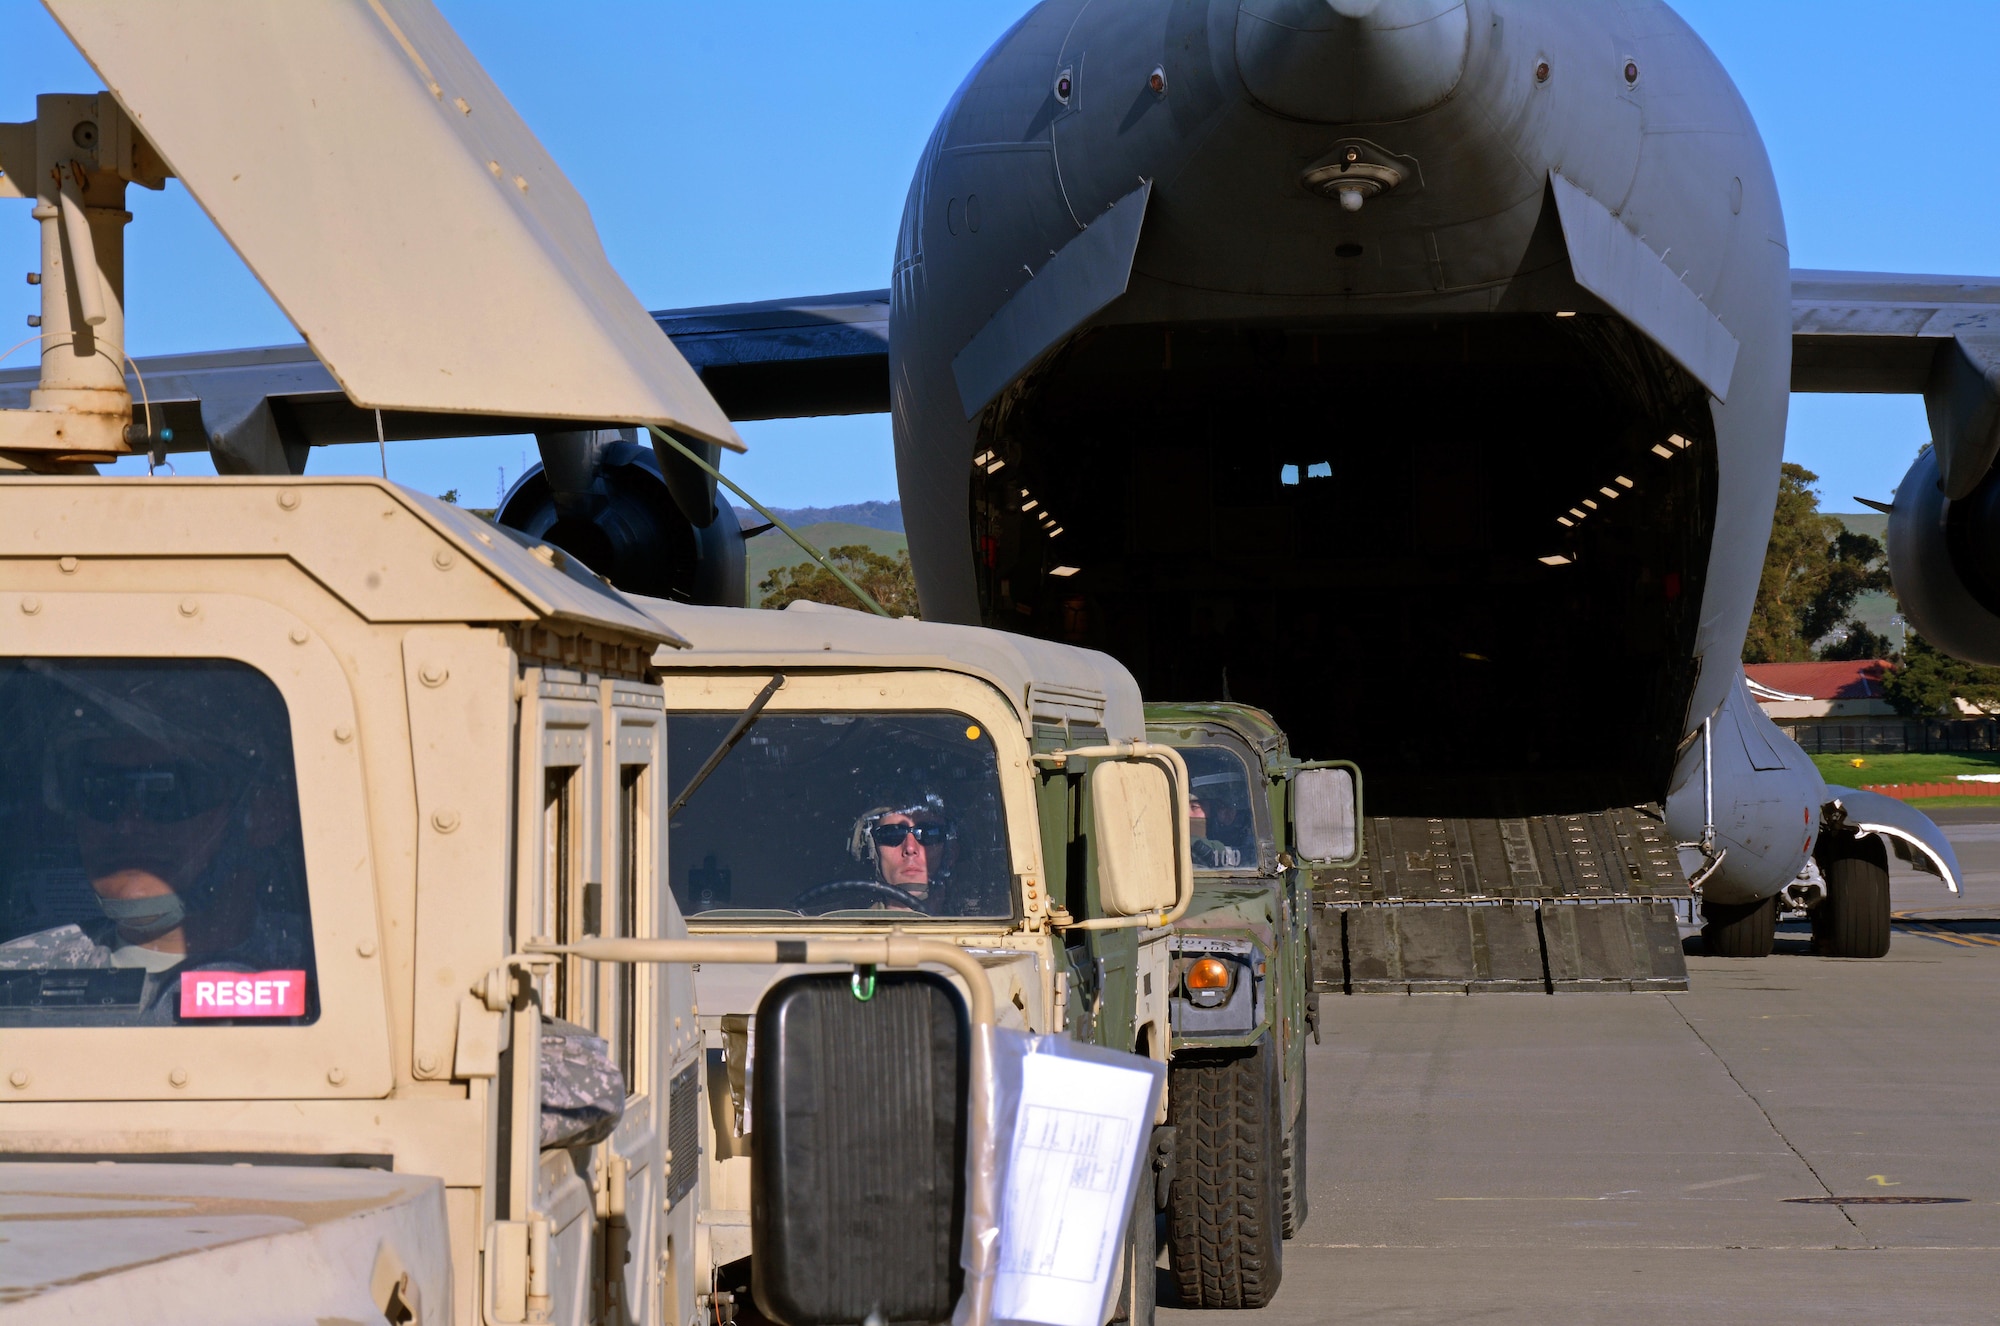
(1353, 173)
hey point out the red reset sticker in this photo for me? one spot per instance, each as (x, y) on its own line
(243, 994)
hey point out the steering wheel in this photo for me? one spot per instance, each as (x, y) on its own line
(871, 887)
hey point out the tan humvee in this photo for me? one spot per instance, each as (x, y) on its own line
(292, 770)
(913, 723)
(476, 747)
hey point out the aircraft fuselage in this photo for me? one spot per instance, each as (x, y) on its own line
(1319, 454)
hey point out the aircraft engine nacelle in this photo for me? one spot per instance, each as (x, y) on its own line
(1944, 556)
(648, 527)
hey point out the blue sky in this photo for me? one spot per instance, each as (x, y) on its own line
(733, 152)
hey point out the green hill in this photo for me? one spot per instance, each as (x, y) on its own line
(1872, 523)
(1876, 610)
(771, 549)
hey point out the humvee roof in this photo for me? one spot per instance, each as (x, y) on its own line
(1046, 681)
(391, 554)
(1254, 725)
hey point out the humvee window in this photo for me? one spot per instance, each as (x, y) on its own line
(151, 866)
(1221, 809)
(885, 816)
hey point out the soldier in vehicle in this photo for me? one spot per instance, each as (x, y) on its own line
(912, 849)
(169, 787)
(158, 782)
(1221, 825)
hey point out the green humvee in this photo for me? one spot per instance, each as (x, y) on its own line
(1241, 1000)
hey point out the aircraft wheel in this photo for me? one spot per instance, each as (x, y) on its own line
(1297, 1205)
(1225, 1210)
(1739, 930)
(1853, 919)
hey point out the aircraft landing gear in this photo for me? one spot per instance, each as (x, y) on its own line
(1853, 920)
(1739, 930)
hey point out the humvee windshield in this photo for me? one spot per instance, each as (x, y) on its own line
(1221, 809)
(874, 816)
(151, 866)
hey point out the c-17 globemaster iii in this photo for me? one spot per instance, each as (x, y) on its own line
(1312, 352)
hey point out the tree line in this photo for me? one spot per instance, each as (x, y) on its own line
(1814, 571)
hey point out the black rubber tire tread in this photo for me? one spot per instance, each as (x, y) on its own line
(1853, 919)
(1225, 1209)
(1142, 1251)
(1298, 1205)
(1739, 930)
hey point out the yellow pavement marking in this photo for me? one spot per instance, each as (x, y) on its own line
(1882, 1181)
(1925, 930)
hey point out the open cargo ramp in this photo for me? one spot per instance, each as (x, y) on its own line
(1537, 905)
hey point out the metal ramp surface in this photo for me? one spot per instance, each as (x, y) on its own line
(1544, 904)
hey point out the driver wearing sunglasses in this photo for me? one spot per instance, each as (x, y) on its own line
(162, 835)
(910, 848)
(148, 823)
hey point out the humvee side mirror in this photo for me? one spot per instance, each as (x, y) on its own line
(1132, 824)
(1326, 816)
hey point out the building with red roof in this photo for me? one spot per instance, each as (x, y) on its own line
(1792, 691)
(1839, 708)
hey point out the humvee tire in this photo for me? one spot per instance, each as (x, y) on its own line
(1739, 930)
(1297, 1204)
(1225, 1211)
(1142, 1251)
(1852, 921)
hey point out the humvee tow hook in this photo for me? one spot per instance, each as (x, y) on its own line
(982, 1206)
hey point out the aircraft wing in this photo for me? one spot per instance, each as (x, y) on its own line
(789, 358)
(829, 354)
(1934, 336)
(258, 409)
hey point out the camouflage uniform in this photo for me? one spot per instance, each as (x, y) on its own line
(583, 1093)
(94, 945)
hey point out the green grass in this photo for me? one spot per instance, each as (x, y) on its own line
(1937, 803)
(1913, 768)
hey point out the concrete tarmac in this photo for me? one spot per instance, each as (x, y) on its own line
(1636, 1158)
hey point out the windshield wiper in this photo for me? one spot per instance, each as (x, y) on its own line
(721, 752)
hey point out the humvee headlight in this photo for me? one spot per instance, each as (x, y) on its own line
(1208, 982)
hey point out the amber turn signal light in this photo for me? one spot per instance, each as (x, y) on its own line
(1208, 974)
(1208, 981)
